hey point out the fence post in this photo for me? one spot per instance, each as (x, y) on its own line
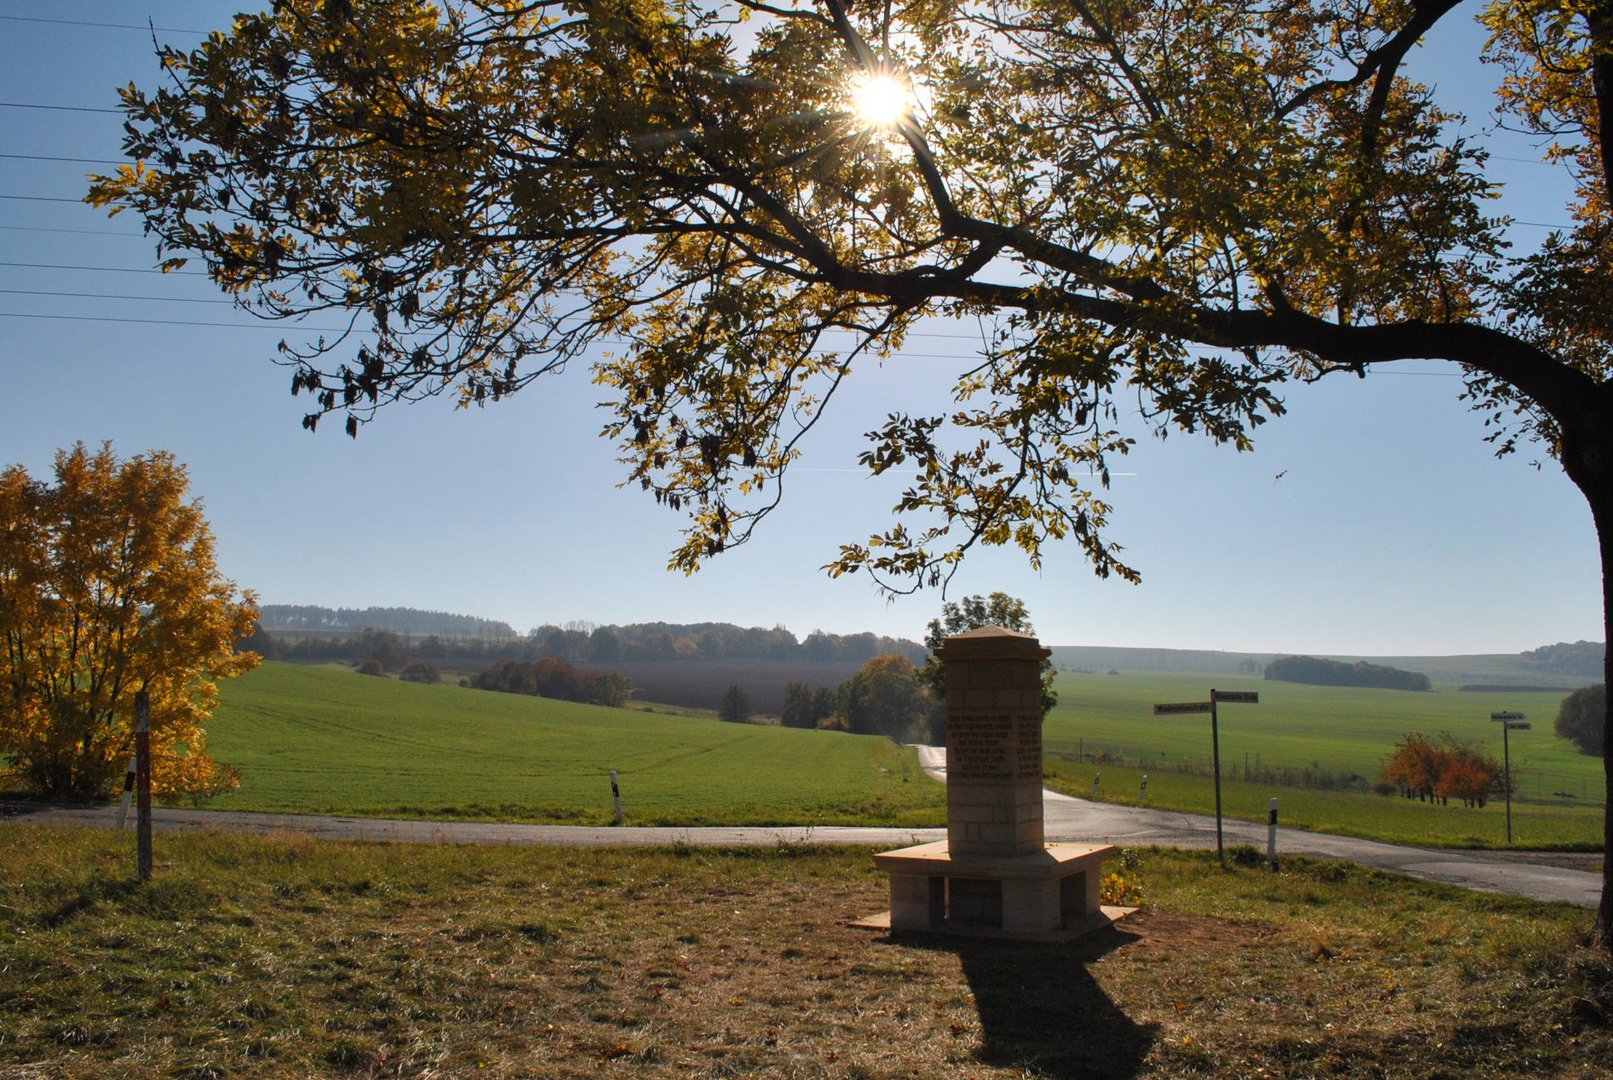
(142, 783)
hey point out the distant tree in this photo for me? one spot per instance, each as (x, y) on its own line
(1317, 672)
(735, 707)
(108, 586)
(1442, 769)
(1579, 719)
(604, 645)
(260, 641)
(886, 697)
(805, 707)
(974, 613)
(421, 672)
(372, 665)
(385, 646)
(1413, 767)
(1584, 658)
(609, 688)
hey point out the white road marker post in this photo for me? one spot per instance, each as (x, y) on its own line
(1271, 837)
(1142, 791)
(1097, 778)
(128, 793)
(616, 795)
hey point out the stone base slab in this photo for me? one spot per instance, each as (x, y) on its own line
(1046, 895)
(1106, 915)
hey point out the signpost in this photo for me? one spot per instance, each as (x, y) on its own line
(1509, 721)
(1241, 697)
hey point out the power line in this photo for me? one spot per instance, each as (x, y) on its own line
(117, 296)
(57, 108)
(77, 232)
(41, 198)
(172, 322)
(102, 25)
(50, 157)
(102, 269)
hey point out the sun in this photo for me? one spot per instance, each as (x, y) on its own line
(880, 100)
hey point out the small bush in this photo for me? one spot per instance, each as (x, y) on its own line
(421, 672)
(1245, 855)
(372, 666)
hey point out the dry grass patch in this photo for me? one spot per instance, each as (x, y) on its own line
(286, 957)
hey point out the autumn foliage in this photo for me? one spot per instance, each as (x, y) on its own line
(108, 586)
(1442, 769)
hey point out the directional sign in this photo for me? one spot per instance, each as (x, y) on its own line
(1245, 697)
(1506, 716)
(1516, 725)
(1183, 707)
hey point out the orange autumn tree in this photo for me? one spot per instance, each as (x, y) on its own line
(108, 586)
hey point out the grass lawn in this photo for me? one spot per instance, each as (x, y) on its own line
(1340, 731)
(251, 957)
(327, 740)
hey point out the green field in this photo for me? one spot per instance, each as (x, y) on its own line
(1331, 732)
(327, 740)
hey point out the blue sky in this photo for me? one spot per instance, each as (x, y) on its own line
(1391, 530)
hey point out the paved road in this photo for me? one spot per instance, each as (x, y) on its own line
(1065, 819)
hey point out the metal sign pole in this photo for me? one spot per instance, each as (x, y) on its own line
(1247, 697)
(1508, 721)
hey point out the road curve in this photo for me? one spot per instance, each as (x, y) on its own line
(1065, 819)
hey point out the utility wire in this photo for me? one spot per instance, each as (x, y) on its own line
(102, 25)
(51, 157)
(57, 108)
(173, 322)
(103, 269)
(117, 296)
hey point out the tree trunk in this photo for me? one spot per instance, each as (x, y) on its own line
(1587, 458)
(1602, 511)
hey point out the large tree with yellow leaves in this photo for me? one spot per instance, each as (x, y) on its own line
(108, 586)
(727, 205)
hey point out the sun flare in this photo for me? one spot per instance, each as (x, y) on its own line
(880, 100)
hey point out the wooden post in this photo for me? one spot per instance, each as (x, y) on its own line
(1215, 752)
(142, 782)
(616, 796)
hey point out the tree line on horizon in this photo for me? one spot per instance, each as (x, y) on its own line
(1316, 672)
(647, 642)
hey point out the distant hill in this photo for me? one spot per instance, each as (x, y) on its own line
(1488, 669)
(296, 620)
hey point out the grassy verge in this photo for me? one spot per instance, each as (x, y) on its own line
(252, 957)
(1374, 817)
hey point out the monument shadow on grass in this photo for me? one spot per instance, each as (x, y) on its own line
(1041, 1009)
